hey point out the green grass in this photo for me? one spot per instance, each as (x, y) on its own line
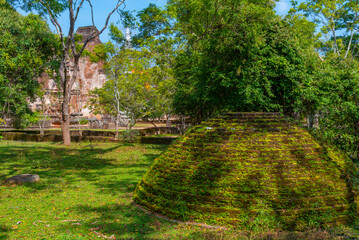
(88, 188)
(165, 135)
(148, 124)
(89, 183)
(144, 124)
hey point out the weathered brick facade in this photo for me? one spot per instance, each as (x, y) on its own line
(91, 76)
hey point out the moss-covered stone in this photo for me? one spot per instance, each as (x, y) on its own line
(251, 170)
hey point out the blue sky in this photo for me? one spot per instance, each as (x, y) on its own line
(283, 7)
(101, 10)
(103, 7)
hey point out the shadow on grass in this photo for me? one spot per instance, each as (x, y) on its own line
(125, 221)
(3, 230)
(51, 163)
(112, 184)
(55, 158)
(64, 165)
(111, 169)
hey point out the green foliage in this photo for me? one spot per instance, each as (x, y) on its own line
(254, 171)
(101, 52)
(335, 93)
(240, 57)
(338, 19)
(129, 86)
(56, 6)
(332, 89)
(116, 35)
(26, 50)
(157, 33)
(83, 121)
(141, 79)
(37, 117)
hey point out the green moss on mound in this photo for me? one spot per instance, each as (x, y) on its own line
(251, 170)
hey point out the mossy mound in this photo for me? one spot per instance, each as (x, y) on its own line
(251, 170)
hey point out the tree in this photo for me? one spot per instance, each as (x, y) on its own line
(126, 89)
(239, 57)
(150, 63)
(332, 90)
(140, 74)
(158, 34)
(338, 91)
(69, 49)
(27, 47)
(339, 21)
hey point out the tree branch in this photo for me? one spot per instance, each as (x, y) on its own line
(78, 9)
(54, 21)
(93, 21)
(350, 42)
(93, 35)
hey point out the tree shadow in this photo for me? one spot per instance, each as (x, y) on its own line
(125, 221)
(134, 171)
(66, 166)
(52, 163)
(3, 230)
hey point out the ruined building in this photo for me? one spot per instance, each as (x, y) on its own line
(91, 76)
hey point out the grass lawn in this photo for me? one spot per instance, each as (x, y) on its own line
(165, 135)
(85, 193)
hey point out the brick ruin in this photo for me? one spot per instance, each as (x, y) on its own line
(91, 76)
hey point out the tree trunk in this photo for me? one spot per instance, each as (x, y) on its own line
(65, 125)
(79, 126)
(41, 129)
(116, 125)
(156, 128)
(66, 122)
(168, 121)
(68, 82)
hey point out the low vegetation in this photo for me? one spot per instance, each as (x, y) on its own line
(86, 192)
(252, 171)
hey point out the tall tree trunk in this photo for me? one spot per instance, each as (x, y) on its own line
(66, 119)
(67, 87)
(116, 125)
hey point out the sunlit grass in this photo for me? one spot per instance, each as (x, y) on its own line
(86, 192)
(82, 187)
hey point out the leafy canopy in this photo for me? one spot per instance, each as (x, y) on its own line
(240, 56)
(26, 50)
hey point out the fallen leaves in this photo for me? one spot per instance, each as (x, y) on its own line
(103, 236)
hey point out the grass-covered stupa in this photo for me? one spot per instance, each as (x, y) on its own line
(251, 170)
